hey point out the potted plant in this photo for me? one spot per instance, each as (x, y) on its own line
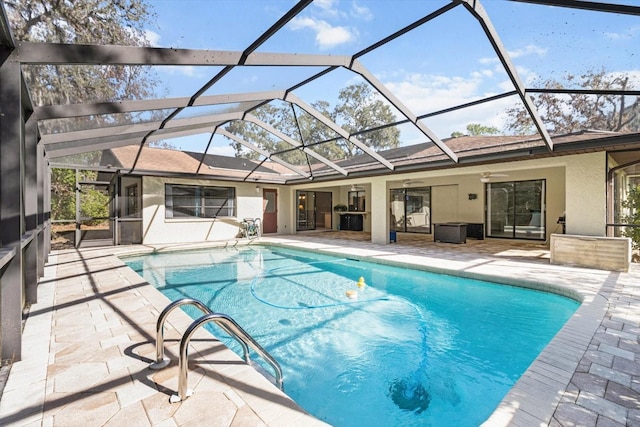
(340, 208)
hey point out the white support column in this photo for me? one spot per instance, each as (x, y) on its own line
(586, 201)
(379, 212)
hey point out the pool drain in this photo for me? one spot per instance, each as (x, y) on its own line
(409, 395)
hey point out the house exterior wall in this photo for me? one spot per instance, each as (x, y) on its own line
(158, 229)
(586, 194)
(575, 185)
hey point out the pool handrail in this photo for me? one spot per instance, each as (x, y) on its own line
(161, 361)
(227, 323)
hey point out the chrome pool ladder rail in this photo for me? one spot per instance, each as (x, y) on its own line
(226, 323)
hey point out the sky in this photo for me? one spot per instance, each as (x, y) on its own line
(446, 62)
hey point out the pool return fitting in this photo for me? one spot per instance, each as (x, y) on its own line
(226, 323)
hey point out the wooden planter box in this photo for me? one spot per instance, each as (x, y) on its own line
(606, 253)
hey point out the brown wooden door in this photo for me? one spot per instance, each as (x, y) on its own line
(270, 211)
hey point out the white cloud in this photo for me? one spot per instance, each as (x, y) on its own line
(185, 70)
(529, 49)
(153, 37)
(525, 51)
(327, 6)
(630, 33)
(361, 12)
(424, 93)
(327, 36)
(222, 151)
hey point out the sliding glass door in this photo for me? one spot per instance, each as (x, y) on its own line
(411, 209)
(516, 210)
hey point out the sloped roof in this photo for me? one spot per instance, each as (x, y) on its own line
(471, 149)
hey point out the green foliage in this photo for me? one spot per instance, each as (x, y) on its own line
(575, 112)
(358, 108)
(632, 203)
(121, 22)
(476, 129)
(94, 202)
(63, 195)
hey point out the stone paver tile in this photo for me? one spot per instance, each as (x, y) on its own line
(627, 366)
(599, 357)
(166, 423)
(245, 417)
(622, 395)
(613, 324)
(128, 387)
(592, 383)
(159, 409)
(608, 422)
(610, 374)
(601, 406)
(119, 340)
(88, 409)
(630, 346)
(76, 377)
(20, 406)
(625, 354)
(570, 415)
(287, 414)
(621, 334)
(133, 415)
(235, 398)
(86, 352)
(212, 409)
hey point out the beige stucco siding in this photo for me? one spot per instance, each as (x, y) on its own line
(158, 229)
(586, 194)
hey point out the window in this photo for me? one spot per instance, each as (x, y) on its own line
(516, 210)
(356, 201)
(190, 201)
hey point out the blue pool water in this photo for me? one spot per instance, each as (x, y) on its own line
(413, 349)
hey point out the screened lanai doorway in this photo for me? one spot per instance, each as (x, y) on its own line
(95, 216)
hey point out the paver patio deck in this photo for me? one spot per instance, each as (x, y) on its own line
(89, 339)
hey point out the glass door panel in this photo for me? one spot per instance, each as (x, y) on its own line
(306, 218)
(516, 210)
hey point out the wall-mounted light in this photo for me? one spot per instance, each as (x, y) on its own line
(257, 189)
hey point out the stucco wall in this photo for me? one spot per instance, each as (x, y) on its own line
(158, 229)
(586, 194)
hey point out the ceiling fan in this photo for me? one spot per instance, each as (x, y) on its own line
(486, 176)
(355, 187)
(407, 182)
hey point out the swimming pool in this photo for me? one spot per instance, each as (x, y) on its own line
(414, 348)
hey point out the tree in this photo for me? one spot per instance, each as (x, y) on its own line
(358, 108)
(632, 204)
(574, 112)
(476, 129)
(117, 22)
